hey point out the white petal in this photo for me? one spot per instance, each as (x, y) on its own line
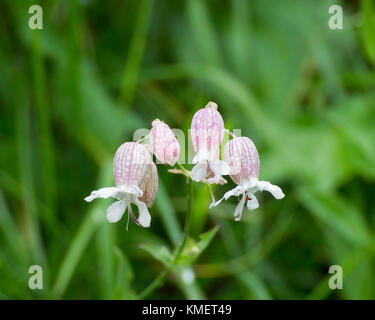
(104, 193)
(116, 210)
(213, 203)
(220, 167)
(250, 184)
(217, 202)
(144, 217)
(239, 208)
(199, 171)
(252, 203)
(132, 190)
(195, 159)
(274, 190)
(234, 192)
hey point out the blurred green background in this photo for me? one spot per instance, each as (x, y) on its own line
(71, 93)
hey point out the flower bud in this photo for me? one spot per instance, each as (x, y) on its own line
(164, 144)
(207, 131)
(242, 156)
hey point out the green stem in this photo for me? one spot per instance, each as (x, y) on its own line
(183, 169)
(159, 280)
(187, 223)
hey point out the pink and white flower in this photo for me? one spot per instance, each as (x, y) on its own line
(136, 182)
(207, 132)
(242, 156)
(164, 144)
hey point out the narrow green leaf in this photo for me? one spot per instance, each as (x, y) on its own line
(11, 232)
(125, 276)
(368, 28)
(255, 285)
(193, 249)
(203, 31)
(322, 290)
(45, 128)
(338, 215)
(105, 238)
(159, 252)
(137, 45)
(94, 217)
(224, 82)
(167, 213)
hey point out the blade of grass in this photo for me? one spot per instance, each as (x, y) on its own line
(105, 243)
(133, 61)
(322, 290)
(79, 243)
(240, 29)
(24, 143)
(249, 278)
(45, 130)
(252, 257)
(203, 31)
(124, 277)
(256, 286)
(223, 82)
(11, 232)
(368, 28)
(168, 216)
(338, 215)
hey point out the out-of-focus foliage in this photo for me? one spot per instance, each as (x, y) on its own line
(71, 93)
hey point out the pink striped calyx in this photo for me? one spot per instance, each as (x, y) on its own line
(242, 156)
(164, 144)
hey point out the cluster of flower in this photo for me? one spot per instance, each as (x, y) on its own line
(136, 178)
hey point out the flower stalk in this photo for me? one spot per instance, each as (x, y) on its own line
(159, 280)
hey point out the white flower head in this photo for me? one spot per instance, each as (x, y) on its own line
(242, 156)
(207, 132)
(136, 183)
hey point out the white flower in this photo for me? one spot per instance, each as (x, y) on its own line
(209, 168)
(247, 189)
(136, 181)
(242, 156)
(207, 132)
(126, 195)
